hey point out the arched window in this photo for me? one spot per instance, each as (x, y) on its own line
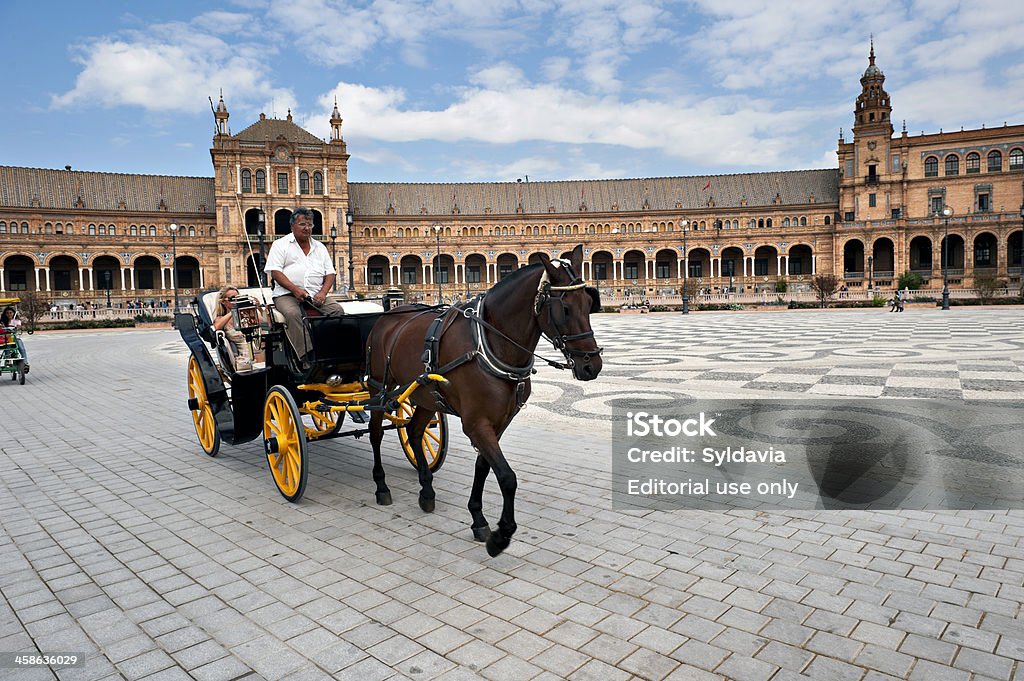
(246, 181)
(113, 230)
(803, 220)
(952, 165)
(768, 223)
(760, 222)
(134, 230)
(191, 231)
(3, 227)
(103, 230)
(92, 230)
(973, 162)
(318, 182)
(1017, 159)
(24, 228)
(931, 167)
(48, 228)
(303, 182)
(828, 219)
(261, 182)
(69, 228)
(995, 161)
(152, 230)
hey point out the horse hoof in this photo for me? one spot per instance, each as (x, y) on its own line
(383, 498)
(482, 534)
(427, 505)
(496, 543)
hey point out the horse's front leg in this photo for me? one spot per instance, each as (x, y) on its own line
(376, 437)
(481, 530)
(417, 426)
(486, 442)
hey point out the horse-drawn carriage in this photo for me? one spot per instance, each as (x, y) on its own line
(236, 400)
(406, 368)
(12, 359)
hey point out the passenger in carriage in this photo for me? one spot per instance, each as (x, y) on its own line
(303, 274)
(9, 320)
(223, 321)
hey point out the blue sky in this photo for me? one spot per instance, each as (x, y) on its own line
(475, 90)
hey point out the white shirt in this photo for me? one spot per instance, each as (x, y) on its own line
(305, 271)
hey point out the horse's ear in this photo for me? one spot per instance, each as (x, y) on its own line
(576, 258)
(544, 257)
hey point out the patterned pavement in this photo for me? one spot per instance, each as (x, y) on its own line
(121, 540)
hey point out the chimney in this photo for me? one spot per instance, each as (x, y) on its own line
(67, 167)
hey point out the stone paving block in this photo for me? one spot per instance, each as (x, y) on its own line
(698, 654)
(929, 671)
(993, 666)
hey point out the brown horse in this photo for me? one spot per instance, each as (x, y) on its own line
(485, 349)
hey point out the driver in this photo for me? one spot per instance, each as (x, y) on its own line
(9, 319)
(303, 274)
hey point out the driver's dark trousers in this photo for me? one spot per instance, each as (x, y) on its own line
(291, 308)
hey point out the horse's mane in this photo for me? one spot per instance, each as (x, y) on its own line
(511, 279)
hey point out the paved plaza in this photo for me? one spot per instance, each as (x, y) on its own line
(123, 541)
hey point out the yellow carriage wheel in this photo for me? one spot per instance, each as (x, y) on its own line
(202, 412)
(435, 438)
(284, 440)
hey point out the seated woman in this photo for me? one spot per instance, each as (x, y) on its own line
(10, 320)
(223, 321)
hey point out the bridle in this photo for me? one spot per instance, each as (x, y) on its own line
(556, 320)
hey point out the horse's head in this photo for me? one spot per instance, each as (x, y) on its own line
(563, 307)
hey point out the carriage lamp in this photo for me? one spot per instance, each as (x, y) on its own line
(173, 229)
(947, 213)
(349, 219)
(334, 254)
(685, 226)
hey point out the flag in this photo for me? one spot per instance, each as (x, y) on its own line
(707, 186)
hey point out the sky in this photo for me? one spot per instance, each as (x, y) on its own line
(487, 90)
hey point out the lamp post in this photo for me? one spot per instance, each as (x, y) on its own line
(685, 226)
(871, 270)
(106, 280)
(947, 213)
(173, 229)
(334, 255)
(349, 219)
(437, 235)
(261, 223)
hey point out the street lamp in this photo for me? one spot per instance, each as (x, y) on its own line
(349, 219)
(173, 229)
(261, 223)
(871, 270)
(437, 234)
(334, 255)
(685, 226)
(106, 280)
(947, 213)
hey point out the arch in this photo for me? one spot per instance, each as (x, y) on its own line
(1015, 249)
(475, 269)
(601, 266)
(666, 264)
(411, 269)
(853, 257)
(766, 261)
(19, 272)
(252, 221)
(699, 262)
(986, 248)
(48, 261)
(318, 222)
(63, 270)
(378, 270)
(634, 266)
(253, 269)
(187, 270)
(106, 273)
(732, 261)
(952, 252)
(883, 258)
(507, 264)
(921, 254)
(281, 218)
(147, 272)
(801, 260)
(534, 258)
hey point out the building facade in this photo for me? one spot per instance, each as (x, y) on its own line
(890, 205)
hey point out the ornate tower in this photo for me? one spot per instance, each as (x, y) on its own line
(336, 124)
(221, 115)
(872, 115)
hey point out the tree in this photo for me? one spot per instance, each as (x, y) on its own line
(986, 287)
(33, 305)
(781, 285)
(910, 280)
(824, 287)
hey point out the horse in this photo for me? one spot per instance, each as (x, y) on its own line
(485, 348)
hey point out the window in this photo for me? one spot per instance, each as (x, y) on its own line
(896, 213)
(408, 275)
(828, 220)
(984, 204)
(872, 200)
(952, 165)
(760, 267)
(872, 174)
(261, 182)
(185, 278)
(113, 230)
(937, 204)
(246, 181)
(62, 280)
(92, 230)
(982, 254)
(1017, 159)
(973, 163)
(848, 216)
(729, 268)
(102, 230)
(796, 266)
(303, 182)
(134, 230)
(504, 271)
(661, 270)
(376, 276)
(931, 167)
(632, 270)
(442, 275)
(896, 163)
(696, 269)
(145, 278)
(17, 280)
(473, 274)
(191, 231)
(803, 220)
(282, 183)
(785, 222)
(3, 228)
(318, 183)
(600, 270)
(152, 230)
(995, 161)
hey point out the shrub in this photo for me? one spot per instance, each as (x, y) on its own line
(910, 280)
(781, 285)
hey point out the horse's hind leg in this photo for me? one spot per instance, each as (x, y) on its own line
(481, 530)
(376, 437)
(417, 426)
